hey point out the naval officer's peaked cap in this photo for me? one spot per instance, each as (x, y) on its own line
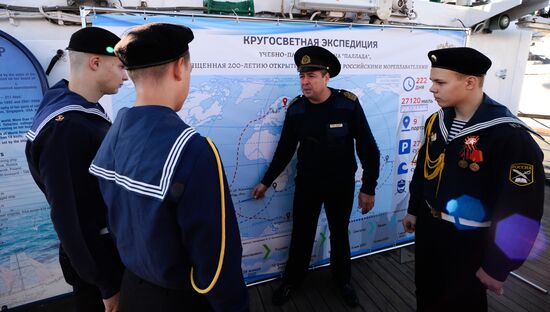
(153, 44)
(93, 40)
(313, 58)
(463, 60)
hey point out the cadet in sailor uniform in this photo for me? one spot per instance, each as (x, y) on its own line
(64, 137)
(330, 126)
(169, 206)
(477, 191)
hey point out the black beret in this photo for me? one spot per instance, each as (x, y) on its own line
(94, 40)
(316, 58)
(466, 61)
(153, 44)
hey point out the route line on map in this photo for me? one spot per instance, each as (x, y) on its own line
(270, 111)
(254, 216)
(389, 175)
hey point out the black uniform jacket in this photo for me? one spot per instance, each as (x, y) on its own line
(161, 183)
(64, 138)
(492, 181)
(326, 133)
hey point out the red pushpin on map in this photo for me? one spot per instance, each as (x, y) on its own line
(284, 101)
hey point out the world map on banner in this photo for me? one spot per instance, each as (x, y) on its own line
(239, 95)
(243, 80)
(244, 116)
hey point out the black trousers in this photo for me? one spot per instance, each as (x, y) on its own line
(139, 295)
(445, 266)
(309, 196)
(87, 296)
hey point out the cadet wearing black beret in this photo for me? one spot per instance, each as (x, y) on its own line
(170, 207)
(94, 40)
(153, 44)
(463, 60)
(479, 174)
(66, 132)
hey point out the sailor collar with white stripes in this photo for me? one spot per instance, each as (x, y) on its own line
(35, 130)
(143, 184)
(488, 114)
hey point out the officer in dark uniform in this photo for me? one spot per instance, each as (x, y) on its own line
(65, 135)
(169, 205)
(328, 124)
(477, 191)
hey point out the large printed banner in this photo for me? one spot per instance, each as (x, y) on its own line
(244, 77)
(242, 81)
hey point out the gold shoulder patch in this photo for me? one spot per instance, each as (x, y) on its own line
(59, 118)
(521, 174)
(349, 95)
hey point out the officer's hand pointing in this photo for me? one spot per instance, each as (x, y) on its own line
(409, 223)
(492, 284)
(259, 191)
(366, 202)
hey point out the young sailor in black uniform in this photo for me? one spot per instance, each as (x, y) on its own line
(477, 191)
(66, 132)
(169, 205)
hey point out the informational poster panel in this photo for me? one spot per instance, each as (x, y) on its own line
(242, 81)
(29, 267)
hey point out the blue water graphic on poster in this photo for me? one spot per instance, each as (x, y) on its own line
(29, 268)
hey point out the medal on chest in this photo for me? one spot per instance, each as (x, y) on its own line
(471, 155)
